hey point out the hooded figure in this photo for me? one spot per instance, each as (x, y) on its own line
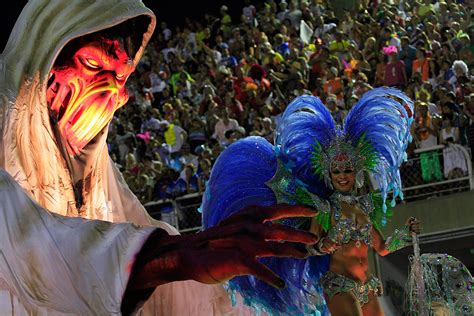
(59, 262)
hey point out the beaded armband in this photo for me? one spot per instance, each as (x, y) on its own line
(398, 240)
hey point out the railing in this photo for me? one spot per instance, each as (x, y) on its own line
(182, 212)
(437, 171)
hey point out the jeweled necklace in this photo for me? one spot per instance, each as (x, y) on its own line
(337, 198)
(349, 198)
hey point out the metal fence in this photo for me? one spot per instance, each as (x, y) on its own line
(437, 171)
(181, 212)
(434, 171)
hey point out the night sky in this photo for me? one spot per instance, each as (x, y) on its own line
(173, 12)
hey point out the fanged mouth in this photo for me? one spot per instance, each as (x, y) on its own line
(83, 111)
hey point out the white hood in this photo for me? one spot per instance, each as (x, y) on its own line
(29, 151)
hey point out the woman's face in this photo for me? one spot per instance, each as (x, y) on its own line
(343, 180)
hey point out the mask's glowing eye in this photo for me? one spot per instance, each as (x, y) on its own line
(91, 63)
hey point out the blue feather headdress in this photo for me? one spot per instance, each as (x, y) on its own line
(374, 138)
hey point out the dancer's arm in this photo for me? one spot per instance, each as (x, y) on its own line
(398, 240)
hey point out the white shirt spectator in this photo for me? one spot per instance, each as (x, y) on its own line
(180, 138)
(167, 34)
(151, 124)
(295, 18)
(191, 41)
(166, 51)
(189, 159)
(321, 30)
(157, 85)
(249, 13)
(221, 128)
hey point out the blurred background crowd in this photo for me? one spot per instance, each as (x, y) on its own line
(206, 83)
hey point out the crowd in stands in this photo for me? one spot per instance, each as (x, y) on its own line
(207, 83)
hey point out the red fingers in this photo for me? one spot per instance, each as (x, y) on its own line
(280, 211)
(254, 248)
(274, 231)
(263, 273)
(269, 213)
(287, 233)
(238, 264)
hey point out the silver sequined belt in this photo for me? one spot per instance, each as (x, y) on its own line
(334, 283)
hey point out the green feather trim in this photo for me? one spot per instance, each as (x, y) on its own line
(316, 158)
(367, 150)
(303, 197)
(364, 155)
(378, 216)
(323, 217)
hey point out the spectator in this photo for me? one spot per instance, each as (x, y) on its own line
(380, 70)
(188, 158)
(338, 114)
(226, 60)
(188, 180)
(333, 83)
(236, 42)
(197, 133)
(294, 15)
(166, 31)
(125, 140)
(234, 135)
(425, 97)
(226, 21)
(248, 13)
(395, 75)
(461, 80)
(322, 28)
(426, 136)
(339, 46)
(267, 129)
(224, 124)
(204, 172)
(174, 135)
(151, 122)
(425, 128)
(421, 65)
(281, 15)
(407, 54)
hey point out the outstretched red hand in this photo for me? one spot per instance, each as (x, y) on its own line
(222, 252)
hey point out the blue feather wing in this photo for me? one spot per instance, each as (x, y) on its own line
(238, 180)
(384, 116)
(305, 122)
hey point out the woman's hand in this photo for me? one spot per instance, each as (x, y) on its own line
(329, 246)
(323, 247)
(413, 225)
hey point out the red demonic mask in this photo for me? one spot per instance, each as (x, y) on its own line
(83, 93)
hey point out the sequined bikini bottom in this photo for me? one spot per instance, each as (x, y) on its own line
(334, 283)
